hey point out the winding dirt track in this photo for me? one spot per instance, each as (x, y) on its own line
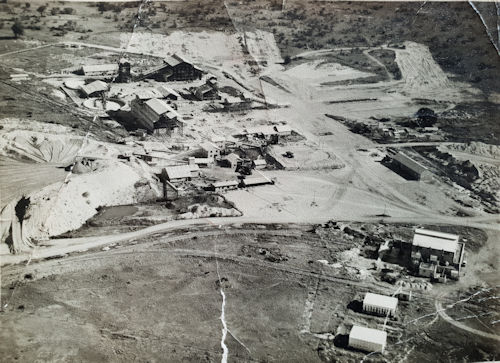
(442, 313)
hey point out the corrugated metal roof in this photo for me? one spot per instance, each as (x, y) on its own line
(368, 335)
(382, 301)
(436, 240)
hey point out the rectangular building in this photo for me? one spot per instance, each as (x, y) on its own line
(181, 172)
(175, 68)
(380, 304)
(409, 166)
(100, 70)
(367, 339)
(221, 186)
(94, 88)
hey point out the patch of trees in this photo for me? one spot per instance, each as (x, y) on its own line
(17, 28)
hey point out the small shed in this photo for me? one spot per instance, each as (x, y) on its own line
(259, 163)
(367, 339)
(225, 185)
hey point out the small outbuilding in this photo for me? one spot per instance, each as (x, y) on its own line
(259, 163)
(367, 339)
(221, 186)
(380, 304)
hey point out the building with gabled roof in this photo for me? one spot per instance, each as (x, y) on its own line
(93, 88)
(168, 93)
(409, 166)
(156, 114)
(206, 92)
(181, 172)
(175, 68)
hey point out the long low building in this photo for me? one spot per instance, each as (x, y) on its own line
(367, 339)
(409, 166)
(100, 70)
(380, 304)
(181, 172)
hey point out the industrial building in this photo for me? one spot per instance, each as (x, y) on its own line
(380, 304)
(175, 68)
(124, 73)
(367, 339)
(206, 92)
(168, 93)
(155, 114)
(408, 165)
(437, 254)
(178, 173)
(94, 89)
(100, 70)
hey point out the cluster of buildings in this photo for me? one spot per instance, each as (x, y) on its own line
(437, 255)
(433, 254)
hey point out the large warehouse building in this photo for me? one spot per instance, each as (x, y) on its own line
(437, 253)
(367, 339)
